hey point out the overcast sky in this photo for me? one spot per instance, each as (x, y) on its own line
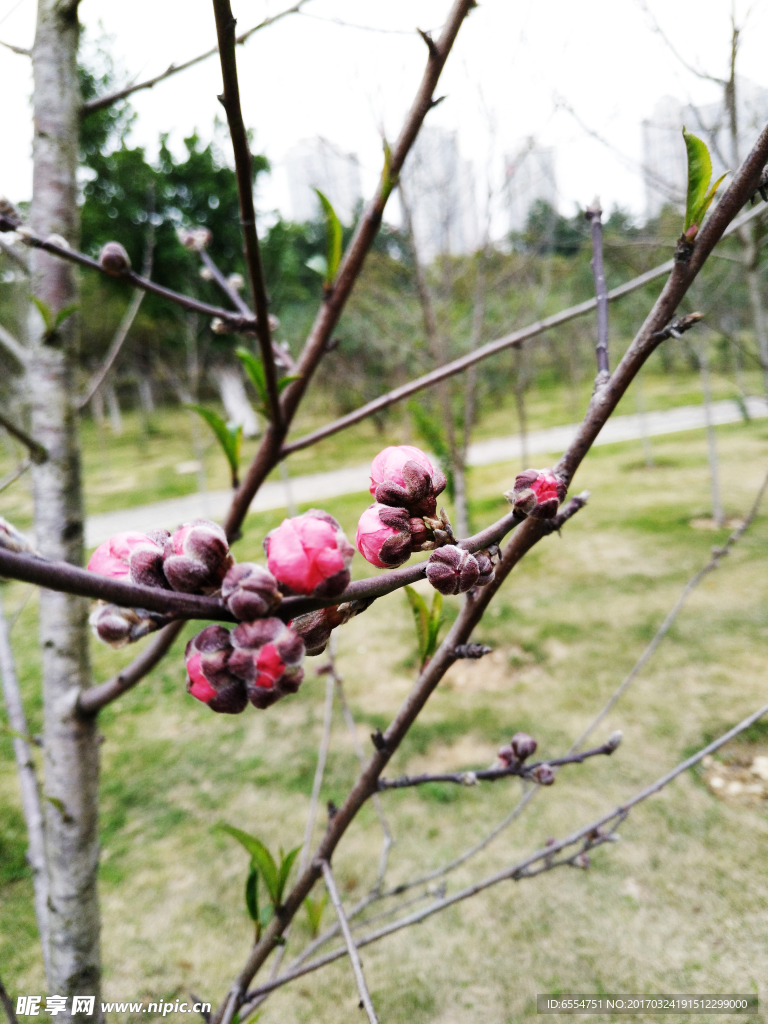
(310, 75)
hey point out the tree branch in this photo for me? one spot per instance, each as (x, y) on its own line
(7, 1002)
(234, 321)
(100, 102)
(594, 215)
(37, 453)
(515, 339)
(470, 778)
(596, 833)
(230, 100)
(357, 967)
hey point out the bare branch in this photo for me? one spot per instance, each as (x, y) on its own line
(594, 215)
(322, 754)
(100, 102)
(230, 100)
(595, 834)
(22, 51)
(37, 452)
(357, 967)
(92, 700)
(471, 778)
(7, 1002)
(14, 474)
(30, 790)
(234, 321)
(675, 53)
(515, 339)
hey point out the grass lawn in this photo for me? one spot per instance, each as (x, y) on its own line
(679, 905)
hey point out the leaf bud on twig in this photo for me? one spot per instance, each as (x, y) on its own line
(544, 775)
(614, 741)
(114, 259)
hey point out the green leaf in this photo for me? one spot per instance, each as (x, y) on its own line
(252, 893)
(435, 622)
(699, 177)
(421, 618)
(283, 383)
(332, 239)
(265, 915)
(254, 368)
(64, 314)
(286, 863)
(314, 909)
(45, 312)
(319, 264)
(262, 858)
(229, 437)
(708, 199)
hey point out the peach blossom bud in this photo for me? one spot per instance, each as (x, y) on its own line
(544, 775)
(537, 493)
(114, 259)
(405, 477)
(523, 745)
(197, 558)
(276, 653)
(383, 536)
(309, 554)
(120, 626)
(250, 591)
(132, 557)
(452, 570)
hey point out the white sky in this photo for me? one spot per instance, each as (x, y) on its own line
(305, 77)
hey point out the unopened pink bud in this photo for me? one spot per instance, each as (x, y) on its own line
(132, 557)
(309, 554)
(120, 626)
(452, 570)
(537, 493)
(276, 653)
(523, 745)
(405, 477)
(250, 591)
(114, 259)
(544, 775)
(384, 536)
(197, 557)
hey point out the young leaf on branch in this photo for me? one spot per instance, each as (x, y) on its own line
(428, 622)
(700, 192)
(275, 877)
(229, 436)
(314, 908)
(332, 242)
(52, 321)
(254, 368)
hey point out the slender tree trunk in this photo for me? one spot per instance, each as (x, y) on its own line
(71, 750)
(30, 791)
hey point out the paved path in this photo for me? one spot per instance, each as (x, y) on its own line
(318, 487)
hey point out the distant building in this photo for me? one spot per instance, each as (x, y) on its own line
(530, 178)
(664, 160)
(440, 190)
(317, 163)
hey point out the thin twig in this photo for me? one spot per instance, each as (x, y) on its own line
(14, 474)
(594, 215)
(99, 102)
(596, 833)
(37, 452)
(230, 100)
(232, 294)
(470, 778)
(30, 790)
(357, 967)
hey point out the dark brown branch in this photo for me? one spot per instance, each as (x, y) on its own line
(230, 100)
(515, 339)
(37, 452)
(235, 322)
(70, 579)
(469, 778)
(357, 967)
(588, 837)
(7, 1002)
(97, 697)
(594, 215)
(100, 102)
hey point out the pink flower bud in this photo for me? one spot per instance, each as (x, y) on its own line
(276, 653)
(197, 557)
(309, 554)
(485, 565)
(132, 557)
(452, 570)
(384, 536)
(508, 757)
(404, 477)
(211, 677)
(250, 591)
(537, 493)
(544, 775)
(120, 626)
(523, 745)
(114, 259)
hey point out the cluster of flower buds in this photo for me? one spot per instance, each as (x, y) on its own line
(195, 239)
(132, 557)
(310, 555)
(114, 259)
(519, 749)
(452, 570)
(250, 591)
(257, 661)
(196, 558)
(537, 493)
(118, 626)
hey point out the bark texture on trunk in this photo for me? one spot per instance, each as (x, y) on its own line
(70, 742)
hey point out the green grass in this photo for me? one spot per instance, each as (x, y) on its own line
(679, 905)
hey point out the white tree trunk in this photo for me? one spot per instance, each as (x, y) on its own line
(235, 401)
(71, 749)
